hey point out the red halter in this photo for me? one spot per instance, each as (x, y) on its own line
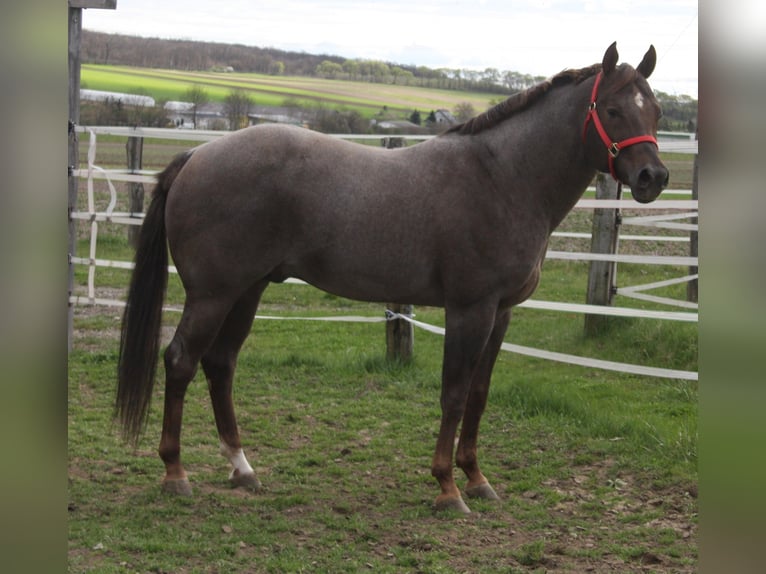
(612, 147)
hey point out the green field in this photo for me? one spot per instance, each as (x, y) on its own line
(366, 98)
(597, 470)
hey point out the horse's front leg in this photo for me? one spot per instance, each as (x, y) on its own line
(466, 458)
(467, 332)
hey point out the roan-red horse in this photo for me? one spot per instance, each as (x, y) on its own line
(474, 208)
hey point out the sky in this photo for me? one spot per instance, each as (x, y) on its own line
(537, 37)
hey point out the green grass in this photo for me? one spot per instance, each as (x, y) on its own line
(595, 469)
(366, 98)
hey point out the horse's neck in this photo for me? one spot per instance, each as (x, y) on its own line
(547, 140)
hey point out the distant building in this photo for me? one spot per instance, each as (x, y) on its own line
(178, 113)
(278, 115)
(127, 99)
(210, 116)
(398, 126)
(444, 117)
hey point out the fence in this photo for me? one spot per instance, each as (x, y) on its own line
(603, 255)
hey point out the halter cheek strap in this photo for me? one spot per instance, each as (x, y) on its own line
(613, 148)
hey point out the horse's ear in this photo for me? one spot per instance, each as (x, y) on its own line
(610, 59)
(646, 67)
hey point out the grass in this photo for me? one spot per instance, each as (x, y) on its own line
(596, 470)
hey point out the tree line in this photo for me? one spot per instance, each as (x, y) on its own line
(188, 55)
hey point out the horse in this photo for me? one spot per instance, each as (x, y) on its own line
(475, 207)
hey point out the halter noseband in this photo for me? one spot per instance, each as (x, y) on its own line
(613, 148)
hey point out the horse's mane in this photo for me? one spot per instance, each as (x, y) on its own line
(521, 101)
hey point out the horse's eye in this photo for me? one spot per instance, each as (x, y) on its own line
(613, 112)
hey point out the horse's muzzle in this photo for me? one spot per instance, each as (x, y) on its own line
(649, 182)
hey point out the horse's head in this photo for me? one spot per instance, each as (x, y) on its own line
(621, 126)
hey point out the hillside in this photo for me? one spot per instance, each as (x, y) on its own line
(187, 55)
(366, 98)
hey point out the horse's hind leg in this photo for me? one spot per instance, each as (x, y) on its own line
(219, 363)
(466, 457)
(199, 324)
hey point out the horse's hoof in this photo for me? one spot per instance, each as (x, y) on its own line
(452, 504)
(246, 481)
(484, 491)
(177, 487)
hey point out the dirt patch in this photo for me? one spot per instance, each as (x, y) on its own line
(578, 538)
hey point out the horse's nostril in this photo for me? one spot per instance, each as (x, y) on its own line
(651, 174)
(645, 177)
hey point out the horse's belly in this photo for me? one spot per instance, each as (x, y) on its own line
(367, 279)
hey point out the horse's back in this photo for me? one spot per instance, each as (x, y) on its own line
(275, 173)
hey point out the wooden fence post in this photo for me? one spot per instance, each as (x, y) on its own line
(75, 36)
(602, 278)
(692, 287)
(135, 150)
(400, 336)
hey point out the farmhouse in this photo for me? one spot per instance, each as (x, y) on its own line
(444, 117)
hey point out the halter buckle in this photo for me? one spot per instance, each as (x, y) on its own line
(614, 150)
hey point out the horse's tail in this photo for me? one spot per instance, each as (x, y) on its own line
(142, 318)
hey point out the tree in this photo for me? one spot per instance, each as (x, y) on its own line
(375, 70)
(198, 97)
(236, 106)
(328, 69)
(464, 111)
(492, 76)
(398, 72)
(351, 68)
(277, 68)
(331, 121)
(415, 118)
